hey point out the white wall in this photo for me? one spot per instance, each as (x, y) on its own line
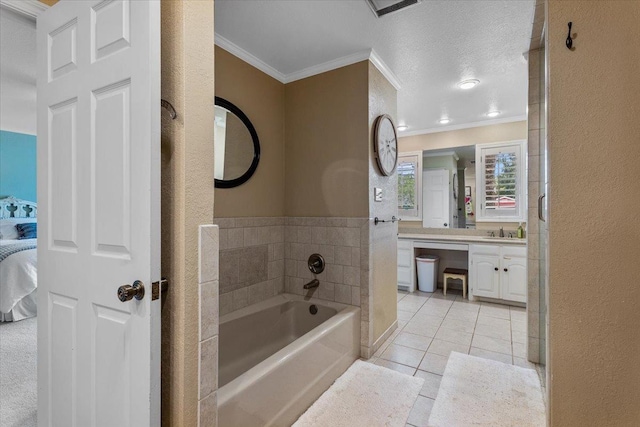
(17, 73)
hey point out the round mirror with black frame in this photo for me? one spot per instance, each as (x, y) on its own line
(237, 147)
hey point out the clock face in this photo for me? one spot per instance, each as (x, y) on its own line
(386, 145)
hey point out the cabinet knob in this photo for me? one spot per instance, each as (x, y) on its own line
(495, 268)
(506, 269)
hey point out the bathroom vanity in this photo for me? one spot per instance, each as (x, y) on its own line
(497, 266)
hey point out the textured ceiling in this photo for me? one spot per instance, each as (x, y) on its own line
(430, 47)
(17, 73)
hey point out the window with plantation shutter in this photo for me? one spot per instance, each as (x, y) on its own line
(409, 186)
(500, 172)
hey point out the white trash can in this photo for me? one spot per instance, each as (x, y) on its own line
(427, 272)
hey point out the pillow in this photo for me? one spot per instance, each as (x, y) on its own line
(8, 230)
(27, 230)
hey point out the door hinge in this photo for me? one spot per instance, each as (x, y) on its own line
(158, 287)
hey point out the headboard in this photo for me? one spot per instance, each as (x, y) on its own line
(10, 207)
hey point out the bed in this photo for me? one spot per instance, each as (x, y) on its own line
(18, 261)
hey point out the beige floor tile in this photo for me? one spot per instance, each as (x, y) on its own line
(519, 326)
(518, 336)
(492, 355)
(458, 325)
(419, 329)
(457, 337)
(405, 315)
(495, 310)
(466, 307)
(409, 305)
(491, 344)
(439, 302)
(493, 321)
(403, 369)
(402, 295)
(500, 332)
(404, 355)
(444, 348)
(432, 310)
(433, 363)
(431, 383)
(426, 320)
(418, 342)
(401, 324)
(518, 314)
(419, 415)
(462, 315)
(519, 350)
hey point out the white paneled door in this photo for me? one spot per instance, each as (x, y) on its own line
(99, 207)
(435, 196)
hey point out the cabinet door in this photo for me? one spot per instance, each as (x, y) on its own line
(485, 276)
(514, 279)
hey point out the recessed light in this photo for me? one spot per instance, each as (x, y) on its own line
(468, 84)
(444, 121)
(402, 128)
(493, 113)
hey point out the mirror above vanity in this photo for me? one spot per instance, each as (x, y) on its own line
(237, 147)
(460, 186)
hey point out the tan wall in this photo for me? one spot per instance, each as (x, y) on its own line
(326, 144)
(261, 98)
(383, 239)
(187, 195)
(464, 137)
(594, 147)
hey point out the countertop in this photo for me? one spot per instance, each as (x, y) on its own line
(462, 238)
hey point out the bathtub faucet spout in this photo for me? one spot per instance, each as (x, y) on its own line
(312, 284)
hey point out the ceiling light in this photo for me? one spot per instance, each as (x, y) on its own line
(444, 121)
(402, 128)
(468, 84)
(493, 113)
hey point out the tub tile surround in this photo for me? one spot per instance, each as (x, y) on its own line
(208, 274)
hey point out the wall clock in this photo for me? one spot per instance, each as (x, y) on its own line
(385, 144)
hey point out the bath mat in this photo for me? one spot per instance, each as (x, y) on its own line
(482, 392)
(366, 395)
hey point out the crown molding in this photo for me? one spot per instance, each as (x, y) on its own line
(384, 69)
(364, 55)
(463, 126)
(29, 8)
(236, 50)
(328, 66)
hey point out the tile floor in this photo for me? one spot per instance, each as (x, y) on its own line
(431, 326)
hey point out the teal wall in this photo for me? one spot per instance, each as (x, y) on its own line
(18, 165)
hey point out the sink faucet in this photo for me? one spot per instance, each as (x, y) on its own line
(492, 234)
(312, 284)
(501, 232)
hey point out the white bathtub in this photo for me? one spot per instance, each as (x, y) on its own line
(276, 358)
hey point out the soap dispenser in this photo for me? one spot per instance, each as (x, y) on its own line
(520, 231)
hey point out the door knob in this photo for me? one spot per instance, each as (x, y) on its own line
(127, 292)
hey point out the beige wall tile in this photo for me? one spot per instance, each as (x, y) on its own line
(208, 411)
(209, 253)
(209, 310)
(208, 366)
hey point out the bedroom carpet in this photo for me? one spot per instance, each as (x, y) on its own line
(365, 395)
(18, 373)
(482, 392)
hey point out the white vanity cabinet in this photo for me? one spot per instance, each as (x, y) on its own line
(405, 265)
(498, 272)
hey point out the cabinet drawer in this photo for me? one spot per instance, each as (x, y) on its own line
(404, 275)
(491, 250)
(404, 257)
(514, 251)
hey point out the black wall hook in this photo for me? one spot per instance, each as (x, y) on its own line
(569, 41)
